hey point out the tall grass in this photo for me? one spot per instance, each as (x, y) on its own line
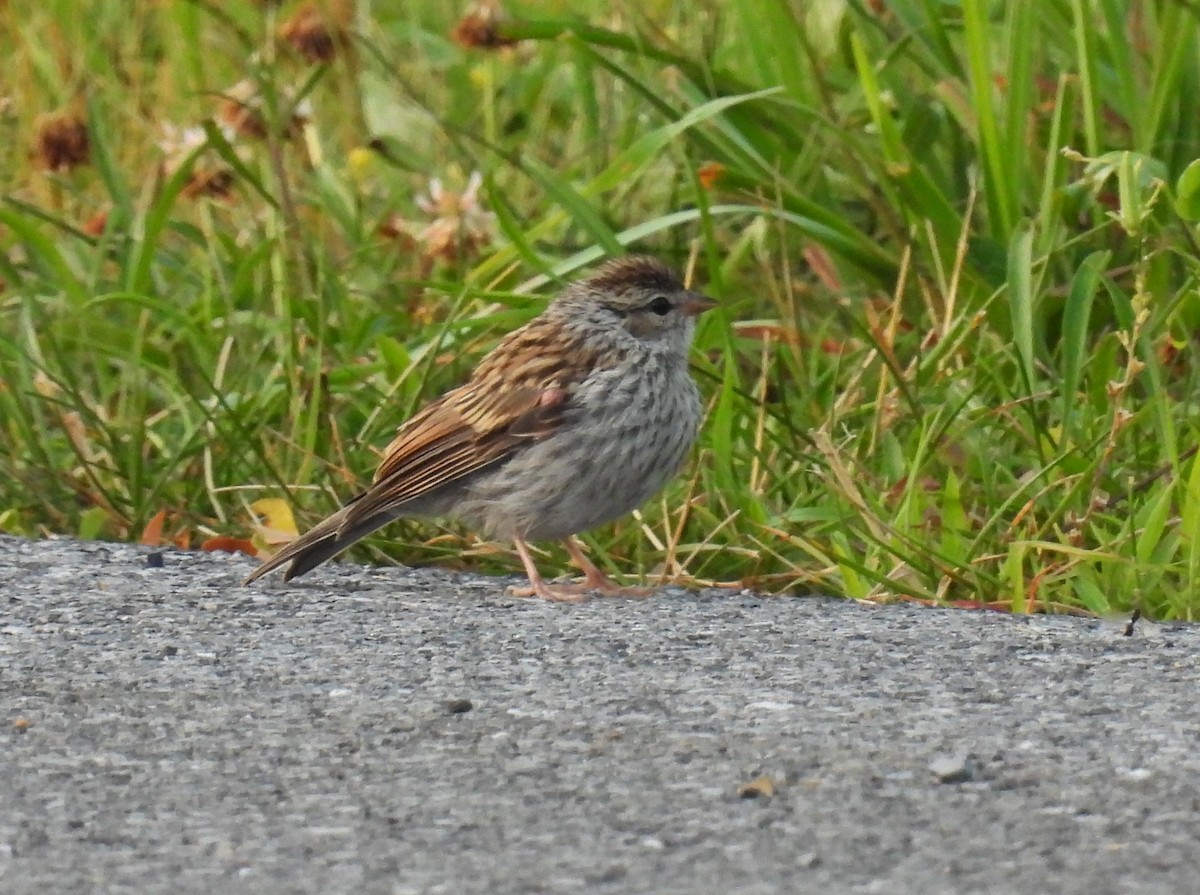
(954, 245)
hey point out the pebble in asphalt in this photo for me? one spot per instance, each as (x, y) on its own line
(412, 731)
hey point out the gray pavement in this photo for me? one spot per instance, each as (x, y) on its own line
(398, 731)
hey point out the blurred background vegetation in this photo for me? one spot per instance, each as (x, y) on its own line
(954, 242)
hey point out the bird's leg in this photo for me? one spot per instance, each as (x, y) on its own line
(537, 584)
(595, 580)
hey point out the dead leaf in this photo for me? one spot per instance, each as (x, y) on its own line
(152, 533)
(274, 520)
(709, 174)
(74, 426)
(230, 545)
(821, 264)
(761, 787)
(94, 226)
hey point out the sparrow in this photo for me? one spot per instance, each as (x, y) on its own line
(573, 420)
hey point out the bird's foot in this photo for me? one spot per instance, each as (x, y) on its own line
(556, 593)
(635, 592)
(608, 588)
(595, 581)
(574, 592)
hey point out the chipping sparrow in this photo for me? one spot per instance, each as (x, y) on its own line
(574, 419)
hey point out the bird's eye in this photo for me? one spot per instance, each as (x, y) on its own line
(660, 305)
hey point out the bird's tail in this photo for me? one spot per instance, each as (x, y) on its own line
(324, 540)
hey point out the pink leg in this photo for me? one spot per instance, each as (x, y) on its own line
(537, 584)
(595, 580)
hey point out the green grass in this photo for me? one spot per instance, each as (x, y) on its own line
(955, 245)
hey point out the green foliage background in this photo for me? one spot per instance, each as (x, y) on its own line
(954, 244)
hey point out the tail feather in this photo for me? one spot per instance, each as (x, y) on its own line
(323, 541)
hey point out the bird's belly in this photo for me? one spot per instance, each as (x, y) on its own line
(599, 466)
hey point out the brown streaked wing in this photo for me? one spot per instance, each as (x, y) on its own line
(507, 403)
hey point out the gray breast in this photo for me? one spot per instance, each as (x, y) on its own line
(623, 439)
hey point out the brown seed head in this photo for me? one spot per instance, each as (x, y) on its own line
(315, 32)
(480, 26)
(62, 142)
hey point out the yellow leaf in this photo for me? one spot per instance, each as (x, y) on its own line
(276, 524)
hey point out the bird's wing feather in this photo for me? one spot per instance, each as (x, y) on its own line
(502, 407)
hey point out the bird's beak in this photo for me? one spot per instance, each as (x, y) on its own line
(694, 304)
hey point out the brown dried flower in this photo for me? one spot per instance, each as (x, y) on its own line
(242, 111)
(215, 182)
(316, 31)
(480, 26)
(461, 226)
(206, 178)
(63, 142)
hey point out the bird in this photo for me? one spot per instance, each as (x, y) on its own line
(573, 420)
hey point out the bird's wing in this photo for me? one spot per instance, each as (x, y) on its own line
(517, 395)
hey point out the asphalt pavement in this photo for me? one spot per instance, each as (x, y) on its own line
(163, 729)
